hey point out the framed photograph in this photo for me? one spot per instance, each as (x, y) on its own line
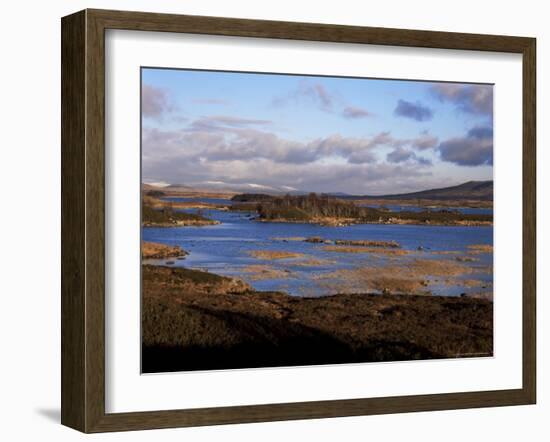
(269, 220)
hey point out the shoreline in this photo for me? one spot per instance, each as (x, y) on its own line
(182, 223)
(396, 222)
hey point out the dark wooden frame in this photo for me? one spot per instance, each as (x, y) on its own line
(83, 217)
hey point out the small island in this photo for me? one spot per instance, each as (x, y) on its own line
(332, 211)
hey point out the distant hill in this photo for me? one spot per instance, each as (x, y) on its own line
(471, 190)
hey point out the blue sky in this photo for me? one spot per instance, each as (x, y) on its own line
(323, 134)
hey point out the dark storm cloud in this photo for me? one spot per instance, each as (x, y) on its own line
(474, 149)
(155, 102)
(415, 111)
(470, 98)
(352, 112)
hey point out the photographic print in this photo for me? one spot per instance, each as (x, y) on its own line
(294, 220)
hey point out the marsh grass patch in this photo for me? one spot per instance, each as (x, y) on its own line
(274, 254)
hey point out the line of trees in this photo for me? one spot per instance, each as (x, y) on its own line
(325, 206)
(310, 206)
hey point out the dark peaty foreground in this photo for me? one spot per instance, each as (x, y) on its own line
(194, 320)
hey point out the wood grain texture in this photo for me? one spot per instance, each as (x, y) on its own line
(144, 21)
(73, 253)
(95, 222)
(529, 220)
(83, 220)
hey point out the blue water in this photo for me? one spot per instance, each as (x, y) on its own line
(225, 249)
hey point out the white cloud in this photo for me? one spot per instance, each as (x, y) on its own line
(246, 156)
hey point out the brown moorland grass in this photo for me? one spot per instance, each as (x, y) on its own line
(466, 259)
(191, 321)
(313, 262)
(480, 248)
(152, 250)
(435, 267)
(413, 277)
(274, 254)
(367, 243)
(362, 249)
(473, 283)
(373, 279)
(389, 284)
(167, 279)
(258, 272)
(481, 295)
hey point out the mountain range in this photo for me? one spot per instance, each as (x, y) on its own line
(471, 190)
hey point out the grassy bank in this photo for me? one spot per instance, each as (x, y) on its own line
(156, 213)
(152, 250)
(193, 320)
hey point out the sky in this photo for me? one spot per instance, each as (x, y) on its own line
(313, 133)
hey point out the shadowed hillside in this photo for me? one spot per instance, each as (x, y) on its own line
(471, 190)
